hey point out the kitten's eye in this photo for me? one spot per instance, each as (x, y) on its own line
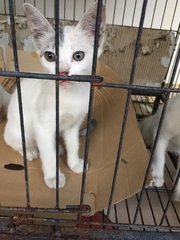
(78, 56)
(50, 56)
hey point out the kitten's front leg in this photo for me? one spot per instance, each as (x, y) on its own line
(45, 137)
(157, 167)
(71, 138)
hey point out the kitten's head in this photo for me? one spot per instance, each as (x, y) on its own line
(76, 44)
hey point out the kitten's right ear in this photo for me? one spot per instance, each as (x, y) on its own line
(88, 21)
(40, 27)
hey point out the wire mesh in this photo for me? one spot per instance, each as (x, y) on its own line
(135, 215)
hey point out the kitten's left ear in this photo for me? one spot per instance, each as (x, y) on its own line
(40, 27)
(88, 21)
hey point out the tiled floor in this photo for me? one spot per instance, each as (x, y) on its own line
(154, 200)
(152, 207)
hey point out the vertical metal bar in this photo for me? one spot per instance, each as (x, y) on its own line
(163, 14)
(170, 198)
(84, 5)
(124, 10)
(134, 13)
(74, 12)
(16, 65)
(64, 9)
(128, 212)
(153, 14)
(45, 8)
(56, 14)
(134, 64)
(151, 208)
(114, 12)
(173, 206)
(5, 6)
(97, 31)
(141, 216)
(158, 133)
(161, 203)
(96, 43)
(14, 7)
(174, 14)
(115, 213)
(83, 184)
(119, 151)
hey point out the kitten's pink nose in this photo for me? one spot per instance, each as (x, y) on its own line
(64, 73)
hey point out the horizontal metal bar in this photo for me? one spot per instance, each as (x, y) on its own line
(85, 224)
(80, 78)
(88, 78)
(69, 209)
(152, 91)
(81, 233)
(105, 224)
(119, 234)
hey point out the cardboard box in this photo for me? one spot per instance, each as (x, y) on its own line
(108, 111)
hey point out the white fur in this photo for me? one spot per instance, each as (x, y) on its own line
(38, 97)
(169, 139)
(4, 101)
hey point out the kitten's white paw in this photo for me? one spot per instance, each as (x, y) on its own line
(51, 182)
(156, 182)
(77, 166)
(31, 153)
(157, 174)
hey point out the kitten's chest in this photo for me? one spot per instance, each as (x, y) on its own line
(74, 102)
(73, 105)
(72, 112)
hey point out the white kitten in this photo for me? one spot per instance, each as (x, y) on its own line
(38, 96)
(169, 139)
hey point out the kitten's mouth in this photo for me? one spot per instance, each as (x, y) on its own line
(64, 83)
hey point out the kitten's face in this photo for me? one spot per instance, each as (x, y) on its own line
(75, 53)
(75, 44)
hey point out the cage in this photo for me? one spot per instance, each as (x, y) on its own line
(142, 48)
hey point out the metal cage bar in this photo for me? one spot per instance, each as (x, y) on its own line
(16, 64)
(157, 134)
(143, 11)
(96, 44)
(94, 82)
(56, 14)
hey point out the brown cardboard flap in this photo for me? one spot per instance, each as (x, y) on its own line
(108, 112)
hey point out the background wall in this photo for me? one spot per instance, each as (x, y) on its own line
(161, 14)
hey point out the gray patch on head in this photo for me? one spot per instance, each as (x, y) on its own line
(61, 35)
(50, 41)
(49, 44)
